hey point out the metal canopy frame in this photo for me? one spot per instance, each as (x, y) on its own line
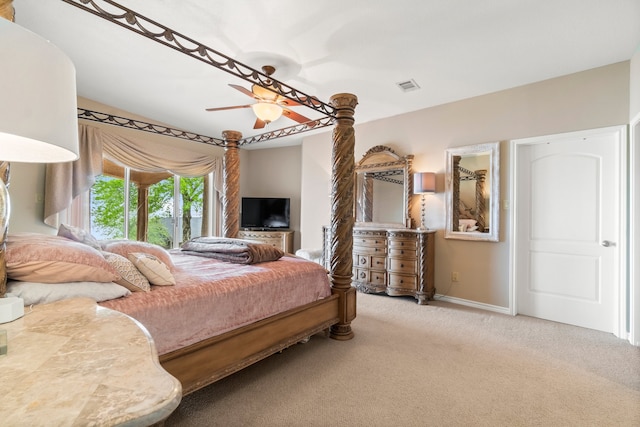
(159, 33)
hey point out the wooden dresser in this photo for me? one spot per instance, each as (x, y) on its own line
(279, 239)
(395, 261)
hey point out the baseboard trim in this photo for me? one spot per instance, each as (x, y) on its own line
(474, 304)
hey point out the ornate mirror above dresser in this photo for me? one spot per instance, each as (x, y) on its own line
(389, 255)
(383, 188)
(472, 192)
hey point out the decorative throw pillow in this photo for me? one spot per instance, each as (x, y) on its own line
(42, 293)
(125, 247)
(131, 279)
(44, 258)
(79, 235)
(153, 269)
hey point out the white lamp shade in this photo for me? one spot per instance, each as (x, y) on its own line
(424, 182)
(266, 111)
(38, 105)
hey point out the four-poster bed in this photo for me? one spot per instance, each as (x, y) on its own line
(204, 362)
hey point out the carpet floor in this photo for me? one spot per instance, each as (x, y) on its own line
(436, 365)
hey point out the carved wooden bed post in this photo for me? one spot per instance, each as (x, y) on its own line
(367, 198)
(231, 184)
(6, 10)
(342, 185)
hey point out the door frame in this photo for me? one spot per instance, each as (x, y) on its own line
(625, 305)
(634, 230)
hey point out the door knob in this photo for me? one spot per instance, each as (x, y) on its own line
(607, 243)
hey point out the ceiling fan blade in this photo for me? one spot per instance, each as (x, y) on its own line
(227, 108)
(243, 90)
(287, 102)
(259, 124)
(294, 116)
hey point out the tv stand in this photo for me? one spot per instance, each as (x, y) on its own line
(282, 239)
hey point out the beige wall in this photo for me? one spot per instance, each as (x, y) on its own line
(634, 85)
(273, 173)
(586, 100)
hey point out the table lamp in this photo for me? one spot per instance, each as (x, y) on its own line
(38, 118)
(423, 183)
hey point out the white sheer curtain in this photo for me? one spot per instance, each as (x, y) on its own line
(64, 182)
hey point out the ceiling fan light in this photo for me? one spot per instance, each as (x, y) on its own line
(266, 111)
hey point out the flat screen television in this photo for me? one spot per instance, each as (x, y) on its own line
(265, 212)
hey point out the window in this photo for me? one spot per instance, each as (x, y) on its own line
(159, 208)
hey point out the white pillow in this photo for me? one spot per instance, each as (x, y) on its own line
(153, 269)
(42, 293)
(131, 278)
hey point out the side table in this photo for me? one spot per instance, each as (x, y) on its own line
(73, 362)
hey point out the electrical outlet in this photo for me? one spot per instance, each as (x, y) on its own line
(455, 277)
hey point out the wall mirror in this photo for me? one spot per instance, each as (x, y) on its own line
(383, 188)
(472, 187)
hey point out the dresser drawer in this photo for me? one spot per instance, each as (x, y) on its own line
(279, 239)
(273, 242)
(398, 265)
(370, 250)
(402, 281)
(373, 262)
(370, 276)
(396, 243)
(403, 253)
(370, 240)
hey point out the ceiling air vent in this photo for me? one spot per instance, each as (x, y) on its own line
(408, 86)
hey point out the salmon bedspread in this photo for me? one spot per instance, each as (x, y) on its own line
(212, 297)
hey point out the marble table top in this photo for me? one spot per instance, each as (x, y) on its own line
(74, 363)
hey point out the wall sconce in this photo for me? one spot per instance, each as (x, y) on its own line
(423, 183)
(38, 118)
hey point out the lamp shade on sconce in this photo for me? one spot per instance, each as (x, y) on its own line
(38, 105)
(424, 182)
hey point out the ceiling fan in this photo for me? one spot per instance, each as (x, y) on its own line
(270, 105)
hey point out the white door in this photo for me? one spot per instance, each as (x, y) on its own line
(567, 196)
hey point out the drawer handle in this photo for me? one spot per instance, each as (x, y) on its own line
(362, 275)
(401, 265)
(378, 262)
(401, 252)
(363, 261)
(401, 281)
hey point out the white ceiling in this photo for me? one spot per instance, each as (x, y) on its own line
(453, 49)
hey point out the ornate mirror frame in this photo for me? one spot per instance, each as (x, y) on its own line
(486, 211)
(382, 163)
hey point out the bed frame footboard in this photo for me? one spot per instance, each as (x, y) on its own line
(208, 361)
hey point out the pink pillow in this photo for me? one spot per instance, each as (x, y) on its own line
(79, 235)
(45, 258)
(126, 247)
